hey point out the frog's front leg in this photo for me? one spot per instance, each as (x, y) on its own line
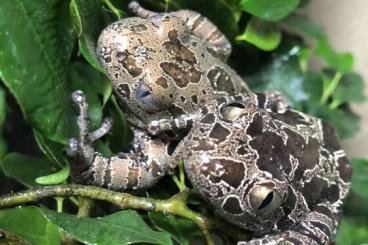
(317, 228)
(139, 169)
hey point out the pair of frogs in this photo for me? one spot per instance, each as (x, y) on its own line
(262, 165)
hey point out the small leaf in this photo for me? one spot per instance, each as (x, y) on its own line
(263, 35)
(56, 178)
(340, 62)
(30, 224)
(349, 90)
(304, 26)
(359, 180)
(26, 169)
(125, 227)
(270, 10)
(182, 230)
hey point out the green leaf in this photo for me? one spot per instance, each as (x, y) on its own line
(26, 169)
(349, 90)
(303, 26)
(30, 224)
(359, 180)
(34, 49)
(56, 178)
(95, 85)
(88, 21)
(125, 227)
(52, 150)
(352, 232)
(264, 35)
(340, 62)
(182, 230)
(270, 10)
(283, 73)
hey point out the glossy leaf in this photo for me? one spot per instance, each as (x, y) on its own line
(34, 48)
(263, 35)
(270, 10)
(182, 230)
(30, 224)
(125, 227)
(26, 169)
(359, 181)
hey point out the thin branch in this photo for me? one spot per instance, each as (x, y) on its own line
(175, 205)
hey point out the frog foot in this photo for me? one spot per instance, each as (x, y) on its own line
(83, 145)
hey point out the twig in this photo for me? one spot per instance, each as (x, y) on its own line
(175, 205)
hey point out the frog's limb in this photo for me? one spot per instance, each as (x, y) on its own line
(317, 228)
(138, 169)
(273, 101)
(182, 122)
(199, 25)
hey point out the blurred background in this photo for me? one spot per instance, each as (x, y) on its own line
(346, 24)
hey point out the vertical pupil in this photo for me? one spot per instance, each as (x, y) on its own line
(266, 201)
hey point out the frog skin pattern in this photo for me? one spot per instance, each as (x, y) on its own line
(161, 65)
(265, 167)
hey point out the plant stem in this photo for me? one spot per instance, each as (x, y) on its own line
(175, 205)
(113, 9)
(331, 87)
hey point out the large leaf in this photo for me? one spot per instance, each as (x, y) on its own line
(271, 10)
(34, 46)
(30, 224)
(26, 169)
(264, 35)
(125, 227)
(182, 230)
(349, 90)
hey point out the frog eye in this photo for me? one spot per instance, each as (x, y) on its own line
(144, 96)
(264, 199)
(232, 111)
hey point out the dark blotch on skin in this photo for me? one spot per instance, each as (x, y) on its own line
(219, 132)
(132, 177)
(256, 126)
(194, 99)
(138, 28)
(161, 81)
(313, 190)
(232, 205)
(290, 117)
(345, 169)
(208, 119)
(129, 63)
(175, 111)
(323, 227)
(232, 171)
(220, 80)
(332, 193)
(180, 52)
(123, 90)
(331, 142)
(182, 75)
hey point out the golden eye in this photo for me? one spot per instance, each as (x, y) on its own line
(264, 199)
(232, 111)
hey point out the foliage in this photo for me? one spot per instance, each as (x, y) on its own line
(47, 52)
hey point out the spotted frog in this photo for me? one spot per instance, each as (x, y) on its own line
(162, 65)
(265, 167)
